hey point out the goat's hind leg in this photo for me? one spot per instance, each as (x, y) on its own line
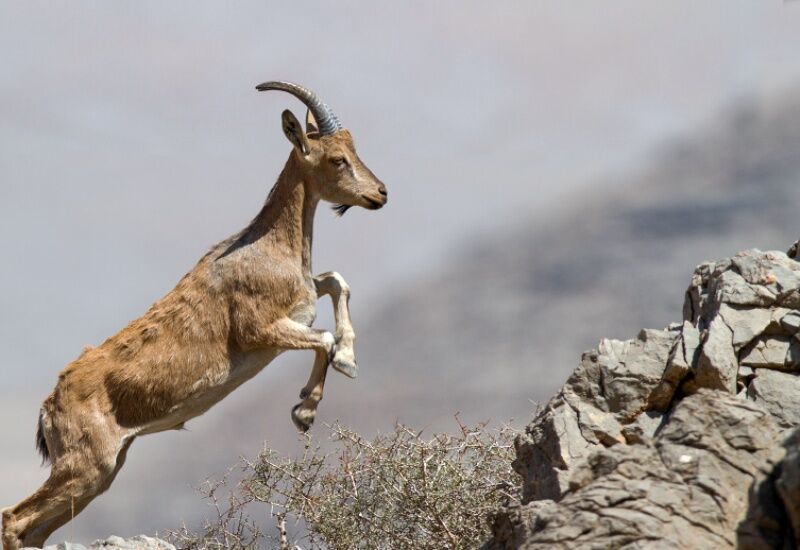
(75, 480)
(26, 523)
(333, 284)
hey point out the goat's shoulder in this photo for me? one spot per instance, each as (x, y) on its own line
(249, 269)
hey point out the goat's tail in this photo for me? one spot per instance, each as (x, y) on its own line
(41, 442)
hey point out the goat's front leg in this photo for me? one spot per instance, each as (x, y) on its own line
(344, 360)
(303, 413)
(288, 335)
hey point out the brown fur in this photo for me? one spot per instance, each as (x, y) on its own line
(248, 299)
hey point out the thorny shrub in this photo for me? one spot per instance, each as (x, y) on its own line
(397, 491)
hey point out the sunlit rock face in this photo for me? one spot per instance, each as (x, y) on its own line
(685, 437)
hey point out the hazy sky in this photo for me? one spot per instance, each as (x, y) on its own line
(131, 138)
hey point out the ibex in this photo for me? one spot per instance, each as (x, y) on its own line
(248, 299)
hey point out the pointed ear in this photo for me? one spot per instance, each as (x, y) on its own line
(294, 132)
(311, 122)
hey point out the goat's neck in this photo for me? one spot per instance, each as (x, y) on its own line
(286, 222)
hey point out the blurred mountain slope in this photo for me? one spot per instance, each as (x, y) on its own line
(503, 324)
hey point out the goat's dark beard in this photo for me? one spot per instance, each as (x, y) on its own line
(340, 209)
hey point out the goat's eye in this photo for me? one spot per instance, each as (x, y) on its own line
(339, 161)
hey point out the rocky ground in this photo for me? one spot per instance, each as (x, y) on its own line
(680, 438)
(117, 543)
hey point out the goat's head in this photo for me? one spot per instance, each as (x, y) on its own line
(328, 155)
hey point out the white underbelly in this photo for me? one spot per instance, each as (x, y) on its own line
(240, 370)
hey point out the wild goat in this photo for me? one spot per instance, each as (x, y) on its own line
(246, 301)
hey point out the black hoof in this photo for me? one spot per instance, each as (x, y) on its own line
(301, 424)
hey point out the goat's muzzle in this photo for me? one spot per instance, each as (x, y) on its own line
(376, 202)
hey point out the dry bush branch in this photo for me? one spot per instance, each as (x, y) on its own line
(399, 490)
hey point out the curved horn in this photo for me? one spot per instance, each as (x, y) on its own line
(327, 122)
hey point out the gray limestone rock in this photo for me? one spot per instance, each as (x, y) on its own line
(791, 322)
(787, 485)
(773, 516)
(779, 393)
(643, 429)
(790, 298)
(632, 370)
(767, 352)
(746, 372)
(717, 366)
(598, 427)
(745, 323)
(680, 491)
(732, 288)
(611, 387)
(793, 355)
(682, 360)
(548, 449)
(751, 278)
(584, 382)
(139, 542)
(682, 438)
(794, 250)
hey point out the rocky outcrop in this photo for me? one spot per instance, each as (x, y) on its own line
(679, 438)
(140, 542)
